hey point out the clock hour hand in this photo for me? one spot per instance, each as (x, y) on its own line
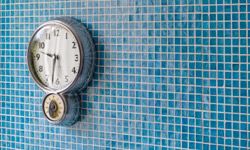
(48, 54)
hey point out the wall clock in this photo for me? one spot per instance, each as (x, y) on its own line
(61, 61)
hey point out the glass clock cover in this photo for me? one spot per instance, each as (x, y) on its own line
(61, 55)
(56, 56)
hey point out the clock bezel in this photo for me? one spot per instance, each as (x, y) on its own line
(71, 86)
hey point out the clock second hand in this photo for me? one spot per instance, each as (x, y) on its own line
(55, 57)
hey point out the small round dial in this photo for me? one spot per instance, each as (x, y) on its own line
(54, 107)
(55, 56)
(61, 109)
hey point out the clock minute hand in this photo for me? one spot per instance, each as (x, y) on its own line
(53, 67)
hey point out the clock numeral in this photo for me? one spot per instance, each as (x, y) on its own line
(40, 69)
(66, 35)
(37, 56)
(48, 36)
(42, 45)
(66, 79)
(76, 57)
(57, 82)
(74, 70)
(56, 32)
(74, 44)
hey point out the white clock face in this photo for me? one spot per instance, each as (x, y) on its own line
(55, 56)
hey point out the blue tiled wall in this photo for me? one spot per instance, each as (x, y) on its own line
(170, 75)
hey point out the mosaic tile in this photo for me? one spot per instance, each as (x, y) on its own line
(169, 75)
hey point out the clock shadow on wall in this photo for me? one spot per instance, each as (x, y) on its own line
(86, 104)
(61, 60)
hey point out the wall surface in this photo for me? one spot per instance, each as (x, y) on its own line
(170, 74)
